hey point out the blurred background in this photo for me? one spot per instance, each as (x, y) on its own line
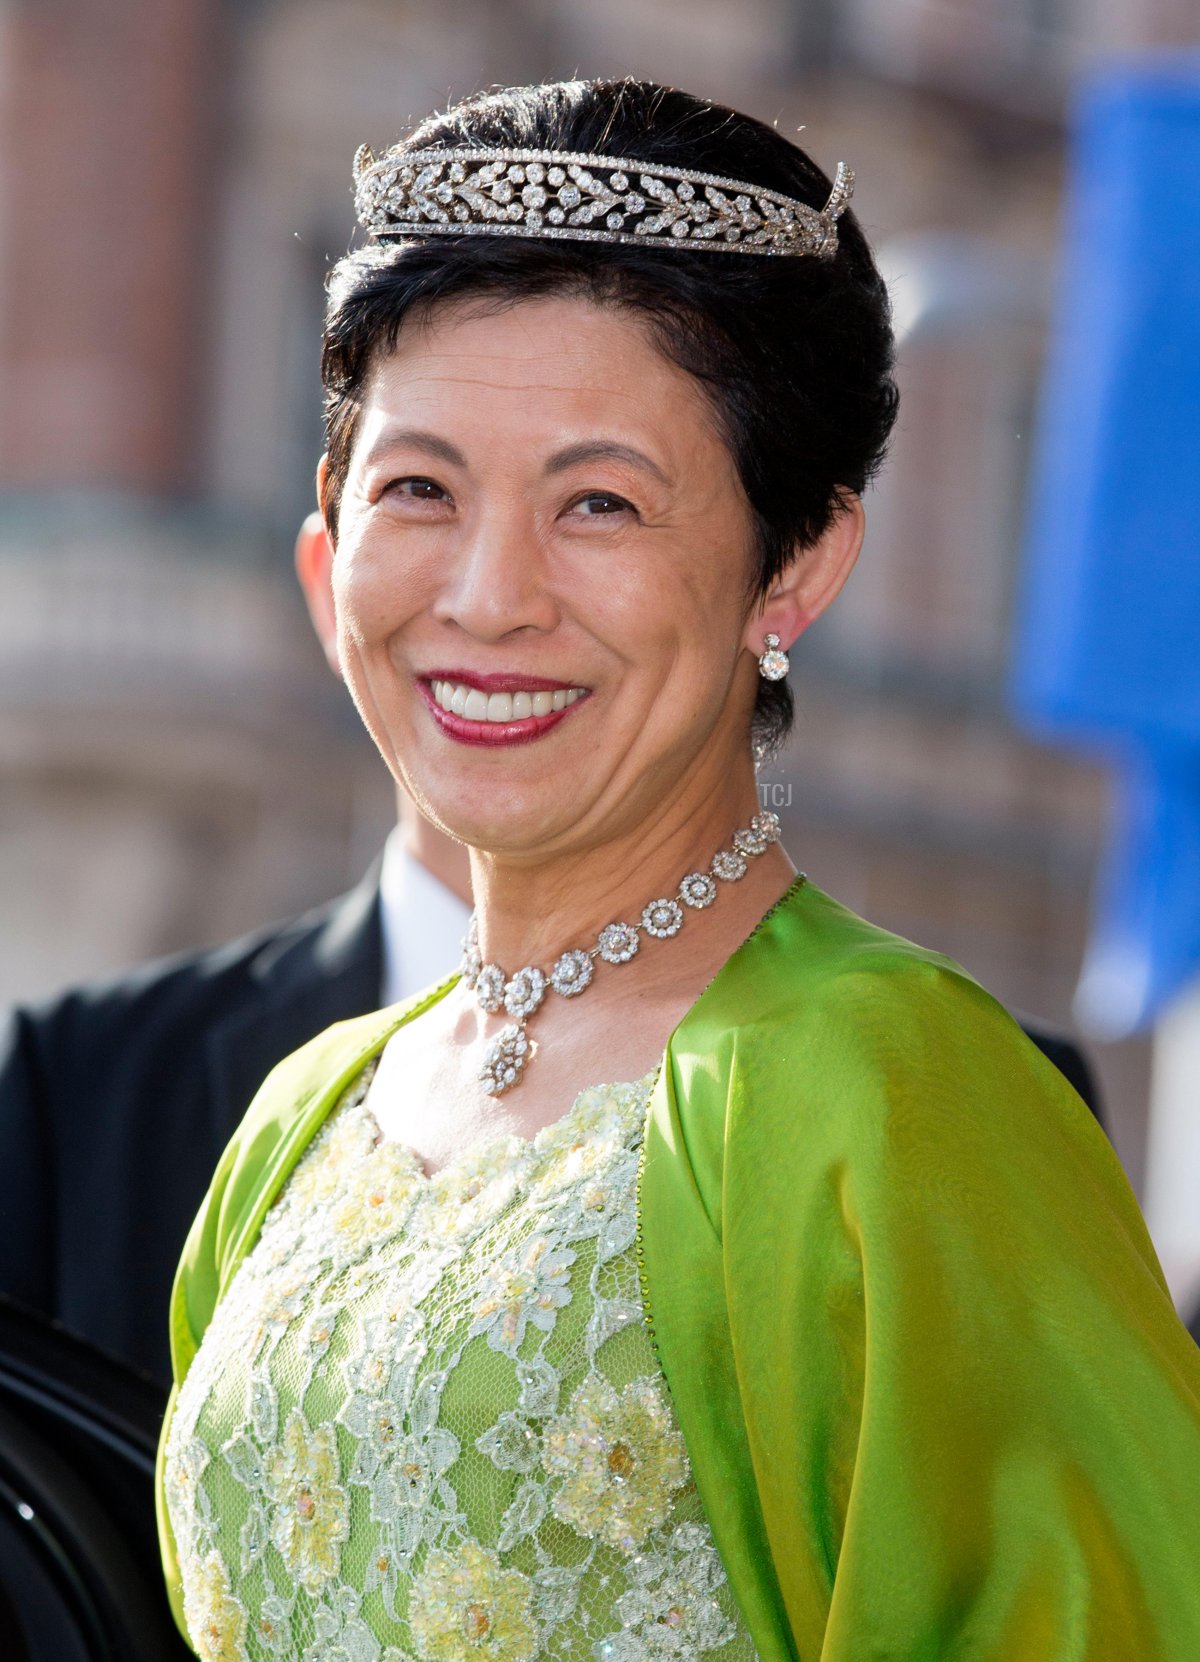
(176, 764)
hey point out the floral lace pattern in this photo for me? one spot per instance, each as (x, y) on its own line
(426, 1423)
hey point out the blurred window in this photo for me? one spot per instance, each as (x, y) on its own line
(1005, 50)
(945, 520)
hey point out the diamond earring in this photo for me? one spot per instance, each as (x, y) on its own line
(773, 665)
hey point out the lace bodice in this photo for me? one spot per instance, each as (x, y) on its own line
(427, 1422)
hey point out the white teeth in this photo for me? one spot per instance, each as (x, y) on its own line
(476, 705)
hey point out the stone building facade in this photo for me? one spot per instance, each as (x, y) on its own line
(176, 765)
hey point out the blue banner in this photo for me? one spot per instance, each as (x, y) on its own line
(1107, 649)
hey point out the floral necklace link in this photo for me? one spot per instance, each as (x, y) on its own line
(511, 1050)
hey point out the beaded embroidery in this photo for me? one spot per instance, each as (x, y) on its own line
(426, 1423)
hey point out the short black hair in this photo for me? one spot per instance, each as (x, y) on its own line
(795, 353)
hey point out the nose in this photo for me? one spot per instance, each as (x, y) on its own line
(497, 579)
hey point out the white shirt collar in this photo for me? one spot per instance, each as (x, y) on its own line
(423, 923)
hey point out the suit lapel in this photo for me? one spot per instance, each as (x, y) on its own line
(301, 981)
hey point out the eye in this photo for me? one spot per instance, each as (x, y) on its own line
(419, 490)
(598, 503)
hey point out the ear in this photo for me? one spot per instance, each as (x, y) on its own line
(314, 568)
(811, 581)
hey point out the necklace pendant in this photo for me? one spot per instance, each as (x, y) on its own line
(505, 1059)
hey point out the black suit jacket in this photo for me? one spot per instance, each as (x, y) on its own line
(117, 1100)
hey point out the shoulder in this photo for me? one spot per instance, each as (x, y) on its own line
(142, 1011)
(306, 1074)
(864, 1083)
(815, 968)
(867, 1039)
(282, 1111)
(286, 1113)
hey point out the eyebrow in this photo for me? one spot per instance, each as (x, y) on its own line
(588, 450)
(415, 438)
(601, 450)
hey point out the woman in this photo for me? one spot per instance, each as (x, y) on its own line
(701, 1270)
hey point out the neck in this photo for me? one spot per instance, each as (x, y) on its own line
(530, 912)
(441, 856)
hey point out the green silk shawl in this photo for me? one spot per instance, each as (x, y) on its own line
(937, 1400)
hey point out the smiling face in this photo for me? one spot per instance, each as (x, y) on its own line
(541, 577)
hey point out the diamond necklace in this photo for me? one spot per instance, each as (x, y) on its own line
(510, 1052)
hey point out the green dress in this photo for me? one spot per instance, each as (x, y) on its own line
(427, 1418)
(935, 1400)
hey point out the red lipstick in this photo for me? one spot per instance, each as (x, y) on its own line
(493, 733)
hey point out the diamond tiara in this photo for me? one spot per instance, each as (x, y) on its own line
(550, 193)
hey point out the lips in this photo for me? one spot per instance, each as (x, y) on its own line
(497, 681)
(475, 710)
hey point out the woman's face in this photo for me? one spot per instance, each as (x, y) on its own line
(540, 511)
